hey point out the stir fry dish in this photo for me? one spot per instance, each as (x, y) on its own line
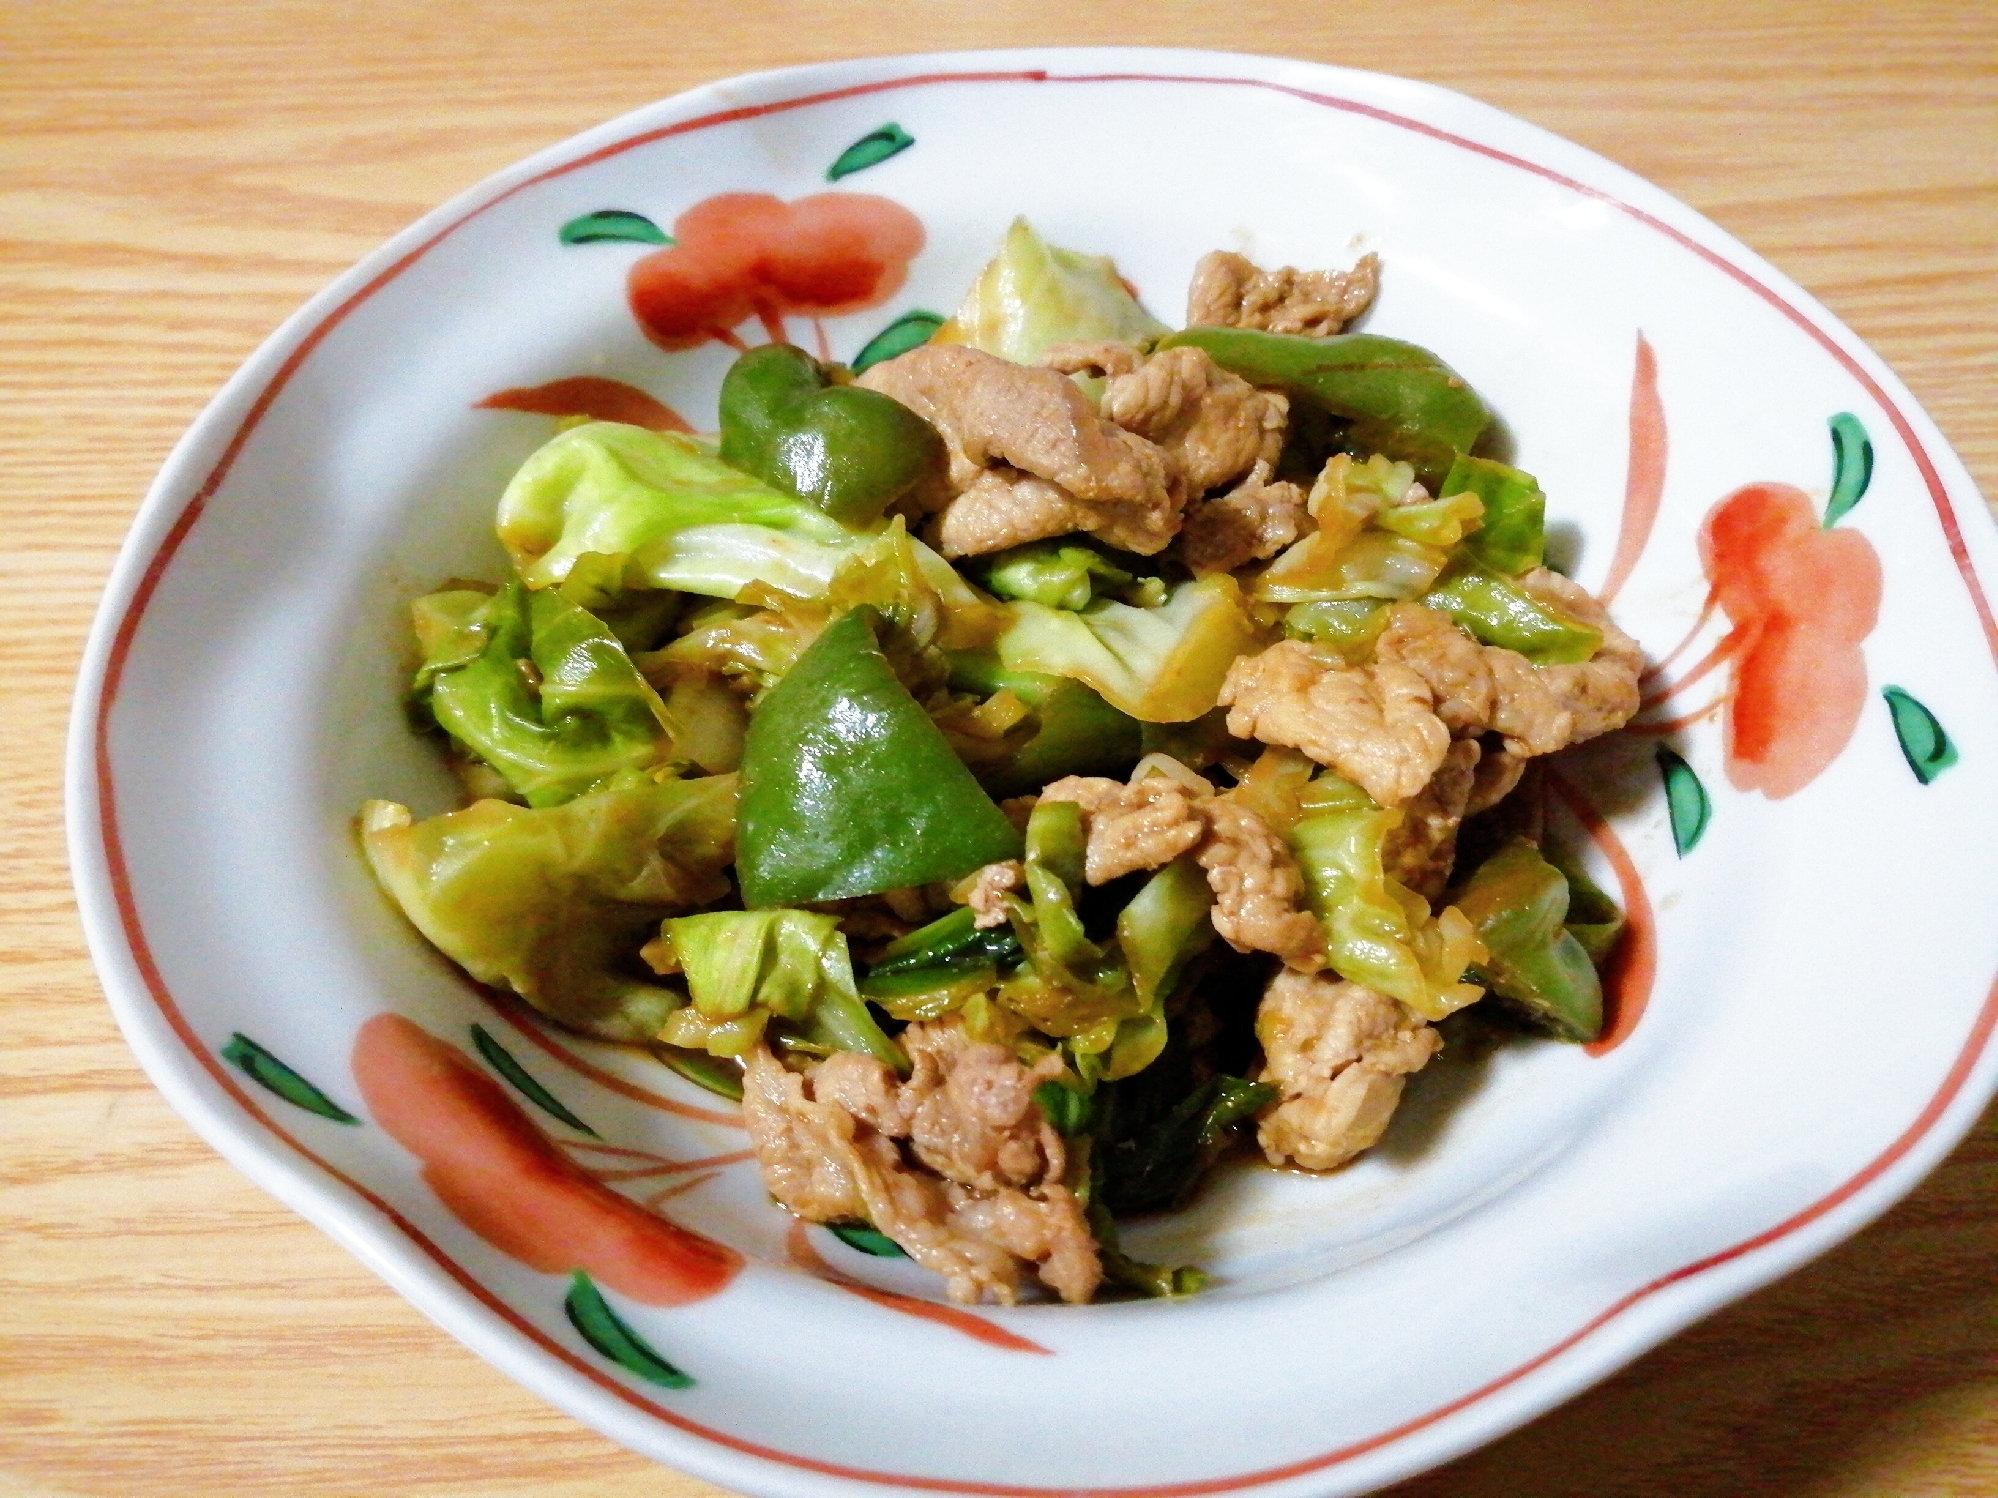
(1026, 768)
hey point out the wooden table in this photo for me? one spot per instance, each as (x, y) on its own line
(175, 178)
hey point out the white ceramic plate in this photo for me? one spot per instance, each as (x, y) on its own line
(1818, 960)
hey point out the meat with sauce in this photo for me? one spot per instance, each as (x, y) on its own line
(1258, 889)
(1339, 1054)
(1029, 456)
(1229, 291)
(955, 1164)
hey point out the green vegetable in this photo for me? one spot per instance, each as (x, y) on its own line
(1159, 665)
(1158, 1164)
(722, 1078)
(931, 971)
(1070, 987)
(1052, 573)
(1155, 1281)
(1350, 626)
(550, 700)
(1594, 919)
(1513, 534)
(952, 940)
(673, 514)
(1374, 564)
(1165, 926)
(1032, 296)
(1518, 902)
(1377, 932)
(1400, 400)
(553, 903)
(1440, 523)
(1497, 611)
(1075, 732)
(745, 968)
(639, 617)
(850, 789)
(1067, 1108)
(851, 452)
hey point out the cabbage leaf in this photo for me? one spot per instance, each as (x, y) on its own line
(1160, 665)
(676, 515)
(745, 968)
(1031, 296)
(553, 902)
(537, 688)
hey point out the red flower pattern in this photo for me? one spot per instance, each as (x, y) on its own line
(1801, 599)
(743, 254)
(506, 1181)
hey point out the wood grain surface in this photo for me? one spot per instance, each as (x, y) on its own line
(176, 178)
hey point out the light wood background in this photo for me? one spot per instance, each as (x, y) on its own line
(175, 178)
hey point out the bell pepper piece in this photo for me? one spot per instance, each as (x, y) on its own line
(1497, 611)
(1401, 400)
(851, 452)
(1513, 533)
(849, 788)
(551, 700)
(1518, 902)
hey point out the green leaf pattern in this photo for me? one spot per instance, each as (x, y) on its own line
(1685, 800)
(261, 1067)
(1924, 744)
(871, 149)
(613, 225)
(501, 1060)
(859, 1235)
(605, 1330)
(912, 329)
(1852, 466)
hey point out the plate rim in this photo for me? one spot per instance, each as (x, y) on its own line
(451, 1296)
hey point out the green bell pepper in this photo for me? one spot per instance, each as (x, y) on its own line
(1513, 533)
(1401, 400)
(848, 787)
(1518, 902)
(851, 452)
(550, 699)
(1497, 611)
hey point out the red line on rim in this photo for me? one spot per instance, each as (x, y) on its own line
(150, 974)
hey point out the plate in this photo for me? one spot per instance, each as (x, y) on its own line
(1802, 825)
